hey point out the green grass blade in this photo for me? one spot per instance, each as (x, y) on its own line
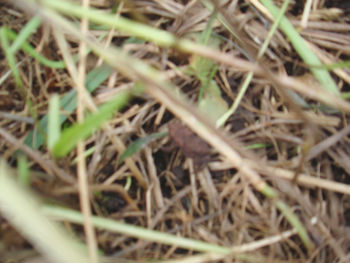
(23, 170)
(160, 37)
(26, 31)
(68, 104)
(86, 154)
(295, 222)
(273, 29)
(221, 18)
(299, 44)
(81, 131)
(342, 64)
(10, 57)
(135, 231)
(269, 192)
(345, 95)
(21, 208)
(137, 145)
(212, 104)
(53, 127)
(11, 60)
(222, 120)
(32, 52)
(205, 68)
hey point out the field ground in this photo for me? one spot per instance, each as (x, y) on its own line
(175, 121)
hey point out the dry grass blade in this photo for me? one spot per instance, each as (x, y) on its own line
(81, 163)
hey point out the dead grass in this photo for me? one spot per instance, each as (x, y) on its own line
(306, 141)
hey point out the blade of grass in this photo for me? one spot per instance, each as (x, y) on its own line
(10, 57)
(342, 64)
(345, 95)
(222, 120)
(83, 182)
(140, 143)
(11, 61)
(23, 170)
(322, 75)
(220, 252)
(53, 126)
(257, 146)
(68, 104)
(221, 18)
(294, 221)
(100, 17)
(134, 231)
(87, 153)
(212, 104)
(145, 32)
(210, 101)
(19, 41)
(205, 68)
(31, 51)
(269, 192)
(26, 31)
(81, 131)
(22, 210)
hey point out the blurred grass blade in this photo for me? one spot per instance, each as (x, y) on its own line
(221, 18)
(210, 100)
(87, 153)
(137, 145)
(299, 44)
(270, 192)
(68, 104)
(81, 131)
(10, 51)
(222, 120)
(212, 104)
(23, 170)
(135, 231)
(25, 46)
(26, 31)
(338, 65)
(21, 209)
(204, 68)
(10, 57)
(53, 127)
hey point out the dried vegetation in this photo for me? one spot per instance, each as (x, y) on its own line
(297, 144)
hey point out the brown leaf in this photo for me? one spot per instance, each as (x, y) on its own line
(190, 144)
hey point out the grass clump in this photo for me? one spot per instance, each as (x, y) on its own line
(263, 90)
